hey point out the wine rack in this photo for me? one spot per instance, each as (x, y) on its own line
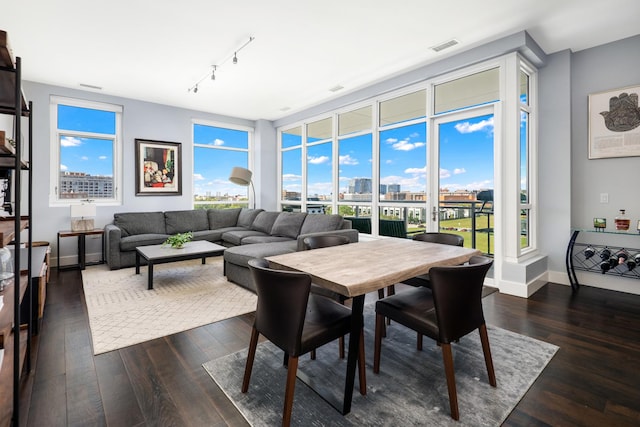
(603, 259)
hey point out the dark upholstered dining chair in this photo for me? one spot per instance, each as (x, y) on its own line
(295, 321)
(325, 241)
(451, 309)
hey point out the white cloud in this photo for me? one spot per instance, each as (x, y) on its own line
(458, 171)
(318, 160)
(102, 157)
(84, 158)
(445, 173)
(389, 161)
(217, 142)
(70, 141)
(347, 160)
(198, 177)
(467, 127)
(405, 145)
(63, 167)
(291, 177)
(422, 170)
(391, 140)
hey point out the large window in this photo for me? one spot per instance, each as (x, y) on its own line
(216, 150)
(426, 157)
(86, 149)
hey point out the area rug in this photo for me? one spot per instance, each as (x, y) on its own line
(409, 390)
(185, 295)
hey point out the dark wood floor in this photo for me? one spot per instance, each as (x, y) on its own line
(593, 380)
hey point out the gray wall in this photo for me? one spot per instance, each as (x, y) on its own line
(603, 68)
(140, 120)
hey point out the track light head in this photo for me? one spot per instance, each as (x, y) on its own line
(235, 58)
(195, 89)
(213, 73)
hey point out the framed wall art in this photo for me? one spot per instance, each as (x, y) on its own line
(614, 123)
(158, 168)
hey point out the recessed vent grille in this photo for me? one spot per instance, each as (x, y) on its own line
(445, 45)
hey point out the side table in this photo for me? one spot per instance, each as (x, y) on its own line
(81, 235)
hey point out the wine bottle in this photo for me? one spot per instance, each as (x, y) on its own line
(613, 261)
(605, 266)
(589, 252)
(605, 254)
(622, 256)
(631, 264)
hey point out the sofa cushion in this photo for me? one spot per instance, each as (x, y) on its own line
(132, 223)
(319, 222)
(184, 221)
(209, 235)
(247, 216)
(264, 239)
(222, 218)
(240, 255)
(288, 224)
(129, 243)
(264, 221)
(235, 236)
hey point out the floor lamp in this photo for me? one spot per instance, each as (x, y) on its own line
(242, 176)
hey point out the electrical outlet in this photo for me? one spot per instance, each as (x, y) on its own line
(604, 197)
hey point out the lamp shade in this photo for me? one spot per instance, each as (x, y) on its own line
(83, 210)
(240, 176)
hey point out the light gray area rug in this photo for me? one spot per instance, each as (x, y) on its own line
(185, 295)
(410, 389)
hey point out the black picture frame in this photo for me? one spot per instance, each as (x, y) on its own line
(158, 168)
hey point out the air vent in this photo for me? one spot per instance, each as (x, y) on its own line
(336, 88)
(445, 45)
(91, 86)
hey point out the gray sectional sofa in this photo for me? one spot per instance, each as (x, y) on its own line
(247, 233)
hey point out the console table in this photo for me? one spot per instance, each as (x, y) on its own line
(82, 235)
(576, 259)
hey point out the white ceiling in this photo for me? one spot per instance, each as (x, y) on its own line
(154, 50)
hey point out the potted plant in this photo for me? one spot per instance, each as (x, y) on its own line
(177, 241)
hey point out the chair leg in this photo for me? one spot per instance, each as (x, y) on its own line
(484, 339)
(391, 290)
(253, 343)
(313, 355)
(362, 365)
(447, 357)
(289, 390)
(341, 347)
(380, 293)
(419, 342)
(377, 343)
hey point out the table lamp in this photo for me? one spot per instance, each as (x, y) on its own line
(82, 217)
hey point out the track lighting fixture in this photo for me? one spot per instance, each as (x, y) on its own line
(215, 67)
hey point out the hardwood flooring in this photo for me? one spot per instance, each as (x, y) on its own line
(593, 380)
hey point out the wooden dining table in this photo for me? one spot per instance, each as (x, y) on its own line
(356, 269)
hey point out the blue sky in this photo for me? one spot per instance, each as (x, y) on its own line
(88, 155)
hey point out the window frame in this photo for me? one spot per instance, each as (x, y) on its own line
(249, 150)
(56, 134)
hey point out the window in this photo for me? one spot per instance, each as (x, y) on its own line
(86, 149)
(217, 150)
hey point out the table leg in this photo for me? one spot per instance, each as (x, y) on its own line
(150, 279)
(137, 262)
(204, 260)
(357, 321)
(81, 251)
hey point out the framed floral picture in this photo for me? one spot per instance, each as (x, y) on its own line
(614, 123)
(158, 168)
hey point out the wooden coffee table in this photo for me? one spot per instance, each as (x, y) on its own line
(161, 254)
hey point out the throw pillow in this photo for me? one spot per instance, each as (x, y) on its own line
(264, 221)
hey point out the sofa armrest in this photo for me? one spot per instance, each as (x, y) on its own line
(112, 236)
(352, 234)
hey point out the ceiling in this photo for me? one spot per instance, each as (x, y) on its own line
(155, 50)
